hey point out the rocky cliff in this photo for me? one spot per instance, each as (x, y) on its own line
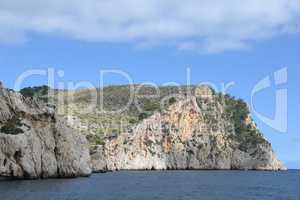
(213, 131)
(36, 143)
(198, 130)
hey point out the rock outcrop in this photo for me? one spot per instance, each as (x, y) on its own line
(36, 143)
(200, 131)
(187, 136)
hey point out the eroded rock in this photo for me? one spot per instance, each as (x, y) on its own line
(36, 143)
(184, 137)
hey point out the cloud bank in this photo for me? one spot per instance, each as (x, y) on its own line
(203, 25)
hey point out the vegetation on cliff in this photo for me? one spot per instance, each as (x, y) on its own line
(237, 112)
(40, 92)
(12, 126)
(145, 101)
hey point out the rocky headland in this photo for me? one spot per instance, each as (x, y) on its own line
(204, 130)
(187, 137)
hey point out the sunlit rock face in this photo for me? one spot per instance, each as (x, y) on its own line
(36, 143)
(204, 130)
(186, 136)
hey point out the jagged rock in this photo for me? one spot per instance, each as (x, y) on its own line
(184, 137)
(36, 143)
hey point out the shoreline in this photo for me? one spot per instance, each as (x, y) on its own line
(3, 178)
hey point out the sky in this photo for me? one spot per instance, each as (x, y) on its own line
(162, 41)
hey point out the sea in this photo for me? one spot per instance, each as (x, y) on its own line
(160, 185)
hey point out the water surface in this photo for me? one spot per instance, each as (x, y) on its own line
(162, 185)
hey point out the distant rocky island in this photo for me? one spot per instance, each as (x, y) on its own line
(44, 136)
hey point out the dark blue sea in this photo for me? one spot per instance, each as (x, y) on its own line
(161, 185)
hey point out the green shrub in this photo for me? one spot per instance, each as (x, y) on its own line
(133, 121)
(12, 127)
(40, 92)
(237, 111)
(151, 106)
(143, 115)
(99, 141)
(95, 139)
(172, 100)
(34, 91)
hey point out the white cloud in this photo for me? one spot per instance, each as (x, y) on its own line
(204, 25)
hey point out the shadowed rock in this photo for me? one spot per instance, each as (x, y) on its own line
(36, 143)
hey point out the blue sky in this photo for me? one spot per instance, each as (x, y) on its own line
(158, 48)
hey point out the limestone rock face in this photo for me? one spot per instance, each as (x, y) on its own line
(186, 137)
(36, 143)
